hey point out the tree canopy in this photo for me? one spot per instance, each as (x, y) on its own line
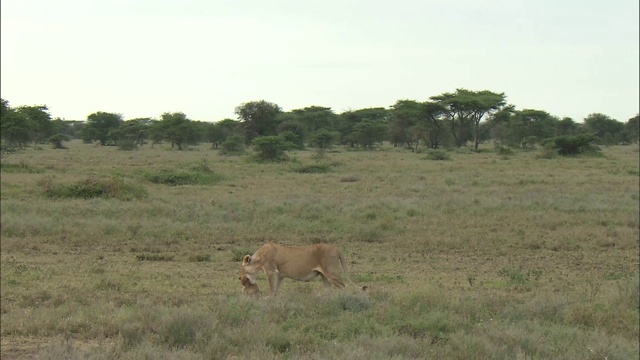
(448, 119)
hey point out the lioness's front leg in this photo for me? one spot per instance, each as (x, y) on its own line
(274, 283)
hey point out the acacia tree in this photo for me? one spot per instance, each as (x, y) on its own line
(347, 121)
(38, 120)
(632, 130)
(14, 127)
(404, 116)
(176, 128)
(529, 126)
(314, 118)
(430, 128)
(134, 132)
(259, 118)
(567, 126)
(465, 109)
(369, 132)
(99, 126)
(601, 125)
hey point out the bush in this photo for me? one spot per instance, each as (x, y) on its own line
(57, 139)
(182, 177)
(323, 139)
(234, 145)
(271, 148)
(317, 168)
(437, 154)
(198, 174)
(503, 150)
(572, 144)
(94, 187)
(127, 145)
(21, 167)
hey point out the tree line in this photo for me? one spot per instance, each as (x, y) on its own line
(452, 119)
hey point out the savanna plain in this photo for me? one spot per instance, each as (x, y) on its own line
(112, 254)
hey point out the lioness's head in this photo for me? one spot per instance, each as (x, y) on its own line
(249, 269)
(248, 288)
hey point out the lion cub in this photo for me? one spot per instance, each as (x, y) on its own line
(248, 288)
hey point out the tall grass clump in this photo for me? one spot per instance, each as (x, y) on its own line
(94, 188)
(20, 167)
(197, 174)
(316, 168)
(437, 154)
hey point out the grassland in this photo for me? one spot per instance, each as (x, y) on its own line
(135, 254)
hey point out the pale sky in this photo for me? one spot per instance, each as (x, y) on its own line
(141, 58)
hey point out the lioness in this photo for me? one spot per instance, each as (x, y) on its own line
(302, 263)
(248, 288)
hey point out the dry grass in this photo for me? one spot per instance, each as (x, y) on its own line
(479, 256)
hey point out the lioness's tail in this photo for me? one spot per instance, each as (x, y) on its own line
(345, 268)
(343, 261)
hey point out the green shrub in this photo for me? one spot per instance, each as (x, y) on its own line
(21, 167)
(323, 139)
(353, 302)
(197, 175)
(94, 187)
(317, 168)
(180, 330)
(127, 144)
(503, 150)
(57, 139)
(572, 144)
(434, 326)
(271, 148)
(437, 154)
(233, 145)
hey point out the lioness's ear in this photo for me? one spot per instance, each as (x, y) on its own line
(246, 259)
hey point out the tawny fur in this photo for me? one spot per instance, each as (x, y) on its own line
(248, 288)
(302, 263)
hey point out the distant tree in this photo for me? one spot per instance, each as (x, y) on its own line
(431, 128)
(134, 131)
(39, 121)
(528, 126)
(347, 121)
(631, 130)
(57, 139)
(314, 118)
(214, 135)
(293, 130)
(572, 144)
(369, 132)
(232, 145)
(14, 127)
(600, 124)
(465, 110)
(177, 128)
(404, 116)
(271, 148)
(259, 118)
(60, 126)
(100, 124)
(323, 139)
(567, 126)
(156, 132)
